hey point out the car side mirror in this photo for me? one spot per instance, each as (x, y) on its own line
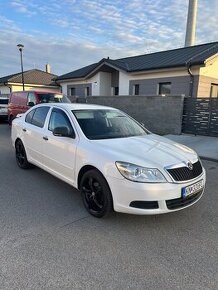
(30, 104)
(63, 132)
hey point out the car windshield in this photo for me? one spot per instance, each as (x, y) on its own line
(53, 98)
(4, 101)
(106, 124)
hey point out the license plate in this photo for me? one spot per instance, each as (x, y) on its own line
(192, 189)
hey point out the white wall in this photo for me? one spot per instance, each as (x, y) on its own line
(95, 84)
(124, 84)
(64, 88)
(211, 69)
(105, 84)
(4, 90)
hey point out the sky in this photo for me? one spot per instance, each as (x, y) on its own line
(70, 34)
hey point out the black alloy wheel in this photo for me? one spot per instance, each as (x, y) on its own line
(21, 158)
(96, 194)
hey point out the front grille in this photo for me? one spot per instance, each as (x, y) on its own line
(184, 173)
(144, 204)
(182, 202)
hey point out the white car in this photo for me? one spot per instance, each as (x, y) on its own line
(112, 159)
(3, 108)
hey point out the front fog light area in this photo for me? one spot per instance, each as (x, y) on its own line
(140, 174)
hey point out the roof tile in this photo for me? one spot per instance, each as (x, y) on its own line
(33, 76)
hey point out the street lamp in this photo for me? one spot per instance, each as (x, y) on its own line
(20, 47)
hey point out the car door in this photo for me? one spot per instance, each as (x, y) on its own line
(33, 133)
(59, 152)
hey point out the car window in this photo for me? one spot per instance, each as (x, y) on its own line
(31, 98)
(52, 98)
(59, 119)
(106, 124)
(39, 116)
(29, 117)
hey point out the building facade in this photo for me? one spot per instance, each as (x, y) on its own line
(190, 71)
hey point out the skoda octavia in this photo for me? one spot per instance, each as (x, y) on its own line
(113, 160)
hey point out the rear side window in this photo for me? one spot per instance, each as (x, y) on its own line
(39, 116)
(29, 116)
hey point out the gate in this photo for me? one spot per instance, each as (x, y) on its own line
(200, 116)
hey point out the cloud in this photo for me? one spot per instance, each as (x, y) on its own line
(76, 33)
(22, 8)
(7, 24)
(64, 56)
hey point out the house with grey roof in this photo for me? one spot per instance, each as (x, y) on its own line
(189, 71)
(34, 79)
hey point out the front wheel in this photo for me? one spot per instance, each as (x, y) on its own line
(20, 153)
(96, 194)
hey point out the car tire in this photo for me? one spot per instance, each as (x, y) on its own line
(21, 157)
(96, 194)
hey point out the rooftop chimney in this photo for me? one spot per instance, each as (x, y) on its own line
(191, 23)
(48, 68)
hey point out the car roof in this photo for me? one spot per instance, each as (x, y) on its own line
(40, 92)
(76, 106)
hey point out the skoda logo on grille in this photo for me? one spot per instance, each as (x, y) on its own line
(190, 166)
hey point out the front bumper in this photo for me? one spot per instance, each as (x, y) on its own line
(157, 198)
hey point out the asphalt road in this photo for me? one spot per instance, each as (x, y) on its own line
(48, 241)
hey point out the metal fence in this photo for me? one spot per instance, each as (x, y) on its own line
(200, 116)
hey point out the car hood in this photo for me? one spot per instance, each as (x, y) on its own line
(150, 150)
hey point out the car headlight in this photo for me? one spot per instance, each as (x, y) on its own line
(140, 174)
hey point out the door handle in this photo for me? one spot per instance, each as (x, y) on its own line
(45, 138)
(24, 129)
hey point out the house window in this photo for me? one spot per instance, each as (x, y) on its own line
(116, 91)
(214, 91)
(87, 91)
(164, 88)
(72, 91)
(136, 90)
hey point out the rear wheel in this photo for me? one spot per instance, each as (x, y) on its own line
(96, 194)
(20, 153)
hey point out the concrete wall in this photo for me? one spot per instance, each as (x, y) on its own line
(161, 115)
